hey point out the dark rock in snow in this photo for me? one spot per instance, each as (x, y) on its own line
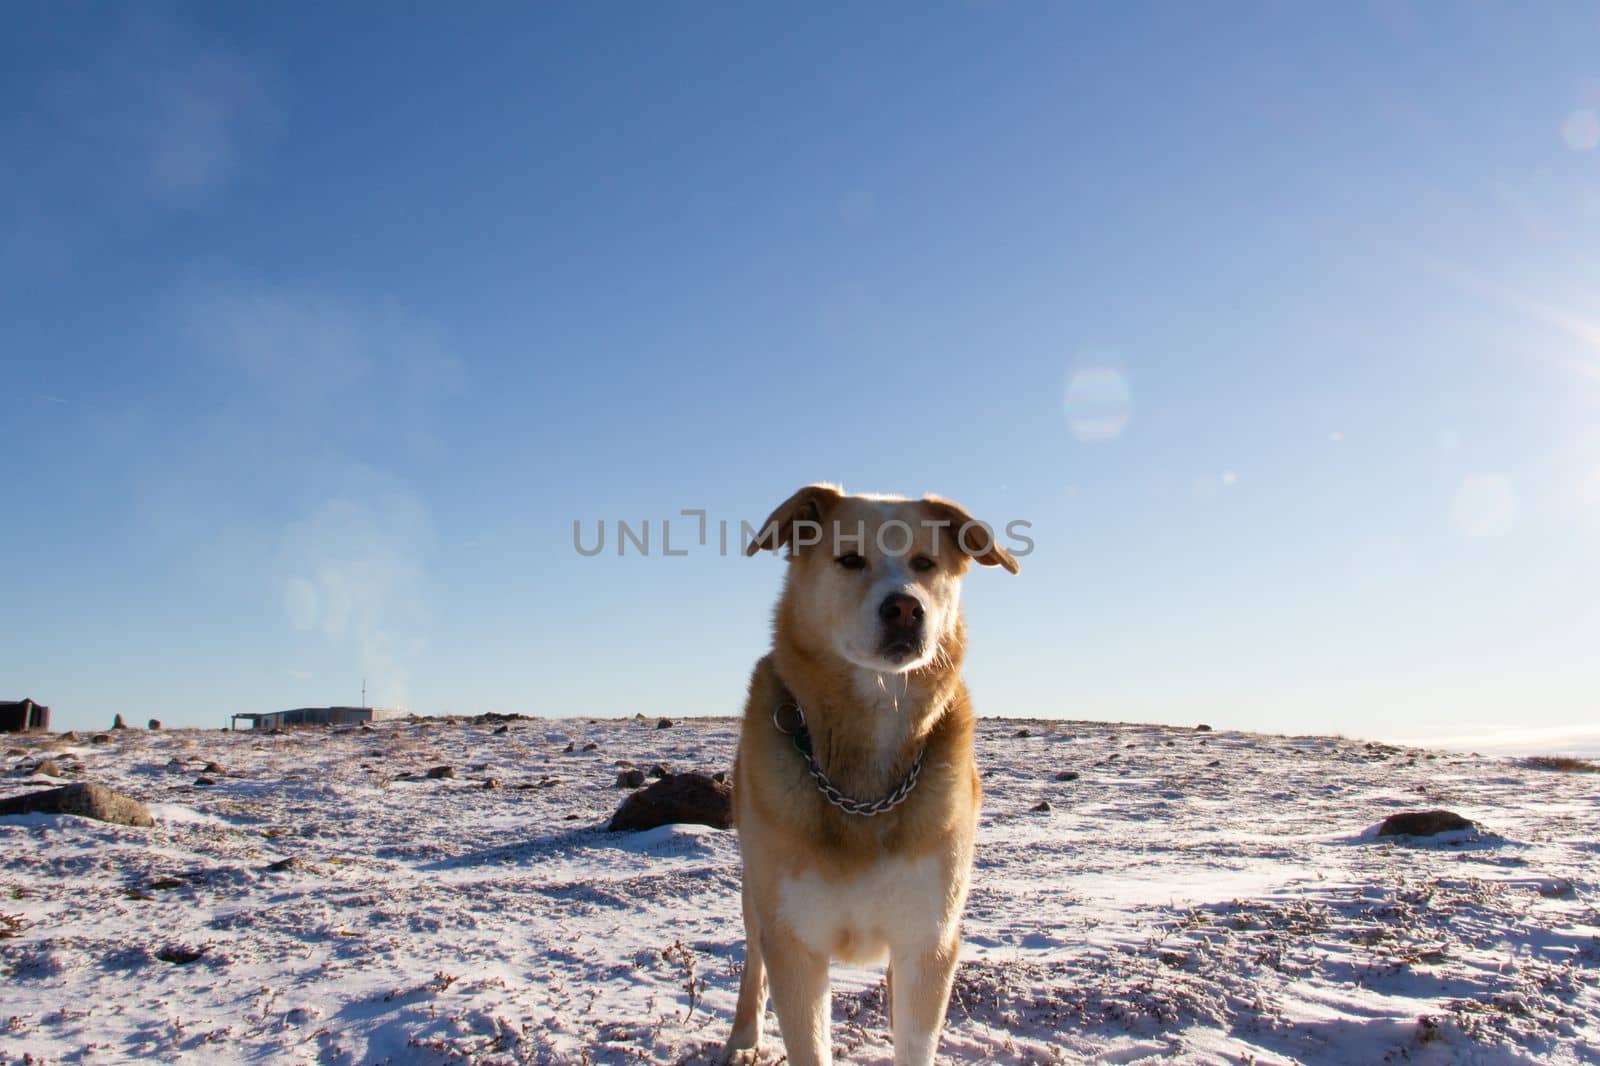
(665, 723)
(1202, 728)
(205, 780)
(154, 723)
(118, 723)
(591, 746)
(570, 748)
(490, 782)
(178, 955)
(49, 768)
(100, 738)
(1067, 775)
(680, 798)
(437, 772)
(1023, 734)
(1422, 823)
(83, 799)
(659, 770)
(1043, 806)
(499, 729)
(212, 768)
(630, 778)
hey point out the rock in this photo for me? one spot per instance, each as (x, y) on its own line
(1202, 728)
(212, 768)
(118, 723)
(205, 780)
(691, 797)
(293, 862)
(630, 778)
(1422, 823)
(154, 723)
(100, 738)
(720, 776)
(1214, 762)
(665, 723)
(570, 748)
(490, 782)
(500, 729)
(1043, 806)
(659, 770)
(178, 955)
(83, 799)
(49, 768)
(16, 751)
(623, 763)
(1067, 775)
(591, 746)
(1023, 734)
(437, 772)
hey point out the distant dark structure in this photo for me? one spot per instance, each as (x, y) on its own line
(312, 716)
(23, 715)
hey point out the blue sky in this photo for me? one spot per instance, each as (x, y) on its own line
(320, 326)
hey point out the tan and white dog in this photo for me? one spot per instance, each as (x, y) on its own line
(855, 790)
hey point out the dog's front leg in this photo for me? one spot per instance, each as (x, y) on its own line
(918, 995)
(744, 1044)
(799, 980)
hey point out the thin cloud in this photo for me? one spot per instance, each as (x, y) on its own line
(148, 114)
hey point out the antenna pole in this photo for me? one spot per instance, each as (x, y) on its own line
(363, 690)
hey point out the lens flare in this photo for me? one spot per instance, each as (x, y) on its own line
(1098, 403)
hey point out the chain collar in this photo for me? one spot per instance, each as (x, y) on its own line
(802, 743)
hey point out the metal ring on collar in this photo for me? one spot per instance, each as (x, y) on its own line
(788, 705)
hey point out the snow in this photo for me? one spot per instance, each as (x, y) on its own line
(1199, 897)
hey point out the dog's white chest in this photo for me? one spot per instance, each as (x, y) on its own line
(896, 902)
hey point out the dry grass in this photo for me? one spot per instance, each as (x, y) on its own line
(1563, 763)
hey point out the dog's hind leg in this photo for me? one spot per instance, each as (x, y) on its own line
(800, 995)
(745, 1041)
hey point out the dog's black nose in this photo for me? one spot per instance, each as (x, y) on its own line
(899, 609)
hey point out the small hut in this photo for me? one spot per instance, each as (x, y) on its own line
(23, 715)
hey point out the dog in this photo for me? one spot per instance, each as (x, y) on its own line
(855, 788)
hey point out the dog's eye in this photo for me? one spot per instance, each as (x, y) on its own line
(852, 561)
(922, 563)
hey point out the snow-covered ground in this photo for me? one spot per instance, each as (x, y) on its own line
(1211, 897)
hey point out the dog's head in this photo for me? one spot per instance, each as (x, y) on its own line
(877, 579)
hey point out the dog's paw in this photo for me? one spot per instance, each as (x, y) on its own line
(740, 1056)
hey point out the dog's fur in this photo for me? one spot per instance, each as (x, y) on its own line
(820, 883)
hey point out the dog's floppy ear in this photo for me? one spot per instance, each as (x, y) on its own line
(972, 537)
(809, 505)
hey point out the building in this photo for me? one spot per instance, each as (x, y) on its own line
(23, 715)
(313, 716)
